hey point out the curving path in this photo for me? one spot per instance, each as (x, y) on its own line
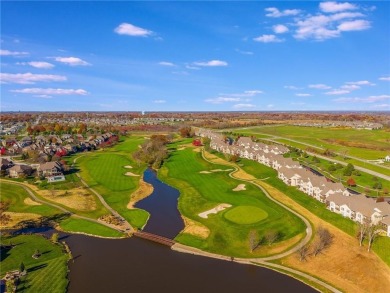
(37, 199)
(126, 224)
(264, 261)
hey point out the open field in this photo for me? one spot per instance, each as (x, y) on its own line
(45, 274)
(84, 226)
(202, 192)
(104, 171)
(363, 144)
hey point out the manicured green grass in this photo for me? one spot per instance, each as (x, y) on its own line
(85, 226)
(382, 244)
(104, 171)
(45, 274)
(245, 215)
(365, 144)
(16, 195)
(201, 192)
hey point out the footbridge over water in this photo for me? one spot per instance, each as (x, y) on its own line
(154, 238)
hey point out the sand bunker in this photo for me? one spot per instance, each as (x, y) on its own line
(215, 210)
(220, 170)
(240, 187)
(195, 228)
(144, 190)
(30, 202)
(131, 174)
(128, 167)
(204, 172)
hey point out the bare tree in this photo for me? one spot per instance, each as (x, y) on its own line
(362, 231)
(372, 232)
(253, 240)
(271, 237)
(324, 240)
(303, 252)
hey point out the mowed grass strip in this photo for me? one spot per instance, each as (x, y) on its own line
(201, 192)
(104, 171)
(245, 215)
(17, 195)
(88, 227)
(45, 274)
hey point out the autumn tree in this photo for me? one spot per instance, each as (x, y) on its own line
(4, 218)
(351, 182)
(186, 132)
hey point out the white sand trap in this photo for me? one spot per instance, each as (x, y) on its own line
(128, 167)
(220, 170)
(131, 174)
(240, 187)
(204, 172)
(215, 210)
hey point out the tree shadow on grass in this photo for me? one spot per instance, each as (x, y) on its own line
(36, 268)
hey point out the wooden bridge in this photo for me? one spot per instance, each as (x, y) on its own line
(155, 238)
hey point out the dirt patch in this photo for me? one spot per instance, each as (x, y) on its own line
(239, 187)
(16, 218)
(195, 228)
(144, 190)
(28, 201)
(344, 264)
(215, 210)
(78, 198)
(129, 167)
(131, 174)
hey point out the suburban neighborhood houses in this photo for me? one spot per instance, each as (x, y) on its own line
(337, 198)
(41, 155)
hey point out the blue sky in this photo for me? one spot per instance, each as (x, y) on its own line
(195, 56)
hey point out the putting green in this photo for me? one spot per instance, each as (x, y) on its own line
(245, 215)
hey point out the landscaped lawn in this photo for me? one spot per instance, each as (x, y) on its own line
(16, 195)
(105, 172)
(201, 192)
(245, 215)
(45, 274)
(85, 226)
(381, 245)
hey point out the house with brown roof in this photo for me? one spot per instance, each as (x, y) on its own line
(50, 169)
(18, 171)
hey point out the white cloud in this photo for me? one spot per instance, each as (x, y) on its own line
(274, 12)
(336, 6)
(29, 78)
(350, 87)
(268, 39)
(42, 96)
(381, 106)
(303, 95)
(51, 91)
(72, 61)
(270, 106)
(385, 78)
(360, 82)
(292, 87)
(38, 64)
(212, 63)
(159, 101)
(337, 92)
(354, 25)
(322, 27)
(319, 86)
(244, 52)
(192, 67)
(252, 93)
(12, 53)
(221, 100)
(243, 106)
(132, 30)
(280, 29)
(370, 99)
(237, 97)
(165, 63)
